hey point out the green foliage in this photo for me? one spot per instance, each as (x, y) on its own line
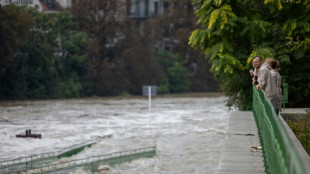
(263, 52)
(124, 94)
(14, 26)
(163, 87)
(48, 62)
(166, 59)
(67, 88)
(176, 75)
(54, 55)
(172, 29)
(301, 129)
(231, 33)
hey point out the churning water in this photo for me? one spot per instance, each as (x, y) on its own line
(189, 132)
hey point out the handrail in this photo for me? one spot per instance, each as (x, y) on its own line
(28, 161)
(90, 160)
(280, 155)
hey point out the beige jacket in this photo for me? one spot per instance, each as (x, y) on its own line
(277, 78)
(266, 81)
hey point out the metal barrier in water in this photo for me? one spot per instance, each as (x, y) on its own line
(93, 163)
(33, 161)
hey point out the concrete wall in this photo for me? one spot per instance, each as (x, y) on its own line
(300, 149)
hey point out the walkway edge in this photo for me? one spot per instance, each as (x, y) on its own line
(299, 148)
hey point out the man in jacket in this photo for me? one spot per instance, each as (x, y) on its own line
(265, 82)
(255, 64)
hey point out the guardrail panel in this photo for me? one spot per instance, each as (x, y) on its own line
(279, 154)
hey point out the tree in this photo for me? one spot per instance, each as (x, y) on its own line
(176, 75)
(103, 21)
(121, 57)
(71, 63)
(48, 62)
(172, 30)
(231, 33)
(14, 26)
(138, 55)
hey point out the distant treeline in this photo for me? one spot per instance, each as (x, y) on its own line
(96, 50)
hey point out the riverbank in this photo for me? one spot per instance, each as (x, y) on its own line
(176, 95)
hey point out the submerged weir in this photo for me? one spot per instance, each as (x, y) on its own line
(48, 162)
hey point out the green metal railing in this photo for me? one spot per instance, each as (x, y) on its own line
(280, 155)
(33, 161)
(92, 164)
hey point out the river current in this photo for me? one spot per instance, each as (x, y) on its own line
(189, 132)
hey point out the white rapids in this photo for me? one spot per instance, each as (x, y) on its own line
(189, 132)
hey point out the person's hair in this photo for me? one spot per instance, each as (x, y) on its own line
(260, 58)
(274, 64)
(278, 66)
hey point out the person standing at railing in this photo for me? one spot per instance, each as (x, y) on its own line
(266, 82)
(275, 67)
(254, 73)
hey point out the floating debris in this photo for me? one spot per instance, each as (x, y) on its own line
(28, 134)
(257, 147)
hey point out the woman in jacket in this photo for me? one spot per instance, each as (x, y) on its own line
(274, 70)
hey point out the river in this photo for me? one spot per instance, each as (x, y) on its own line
(189, 132)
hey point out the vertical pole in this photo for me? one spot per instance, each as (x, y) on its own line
(150, 99)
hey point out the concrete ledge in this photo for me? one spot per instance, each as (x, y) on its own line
(296, 143)
(295, 110)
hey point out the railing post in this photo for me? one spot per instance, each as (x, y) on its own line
(285, 91)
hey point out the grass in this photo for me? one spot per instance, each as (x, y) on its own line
(301, 128)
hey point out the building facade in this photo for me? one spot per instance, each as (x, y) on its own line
(136, 9)
(42, 5)
(144, 9)
(32, 3)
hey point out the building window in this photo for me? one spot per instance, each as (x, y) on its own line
(137, 8)
(156, 7)
(146, 3)
(20, 2)
(128, 8)
(50, 4)
(166, 4)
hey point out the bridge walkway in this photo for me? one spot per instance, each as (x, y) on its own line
(242, 153)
